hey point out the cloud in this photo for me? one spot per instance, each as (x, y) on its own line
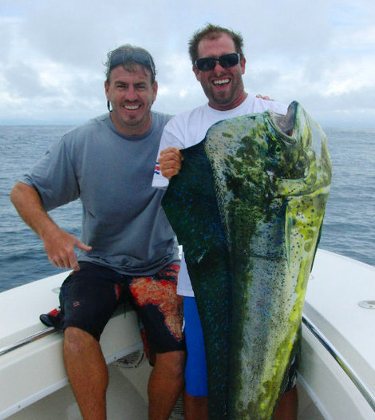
(52, 53)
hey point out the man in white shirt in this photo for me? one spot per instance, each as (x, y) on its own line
(218, 64)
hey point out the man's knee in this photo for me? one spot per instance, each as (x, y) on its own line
(77, 340)
(172, 362)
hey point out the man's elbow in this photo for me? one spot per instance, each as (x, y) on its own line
(14, 194)
(20, 192)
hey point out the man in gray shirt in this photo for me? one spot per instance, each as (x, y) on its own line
(126, 239)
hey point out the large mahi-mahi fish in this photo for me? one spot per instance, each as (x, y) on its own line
(248, 206)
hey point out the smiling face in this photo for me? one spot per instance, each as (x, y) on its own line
(223, 86)
(131, 95)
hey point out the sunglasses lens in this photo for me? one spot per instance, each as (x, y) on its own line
(229, 60)
(205, 64)
(208, 63)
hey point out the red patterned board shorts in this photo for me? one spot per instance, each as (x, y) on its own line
(89, 297)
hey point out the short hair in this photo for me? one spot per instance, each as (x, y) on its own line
(211, 31)
(130, 56)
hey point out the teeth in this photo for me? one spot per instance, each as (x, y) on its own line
(221, 82)
(132, 108)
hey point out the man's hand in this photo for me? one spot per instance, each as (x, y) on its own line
(266, 98)
(59, 246)
(170, 162)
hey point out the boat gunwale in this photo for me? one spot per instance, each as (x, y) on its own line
(342, 362)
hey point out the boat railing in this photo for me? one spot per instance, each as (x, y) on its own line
(343, 363)
(27, 340)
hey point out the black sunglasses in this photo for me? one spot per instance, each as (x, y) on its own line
(209, 63)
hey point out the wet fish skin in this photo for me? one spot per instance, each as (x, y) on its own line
(248, 208)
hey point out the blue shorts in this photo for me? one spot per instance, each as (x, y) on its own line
(196, 369)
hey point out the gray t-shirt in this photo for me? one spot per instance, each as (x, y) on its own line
(111, 173)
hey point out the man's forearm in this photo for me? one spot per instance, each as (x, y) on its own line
(29, 206)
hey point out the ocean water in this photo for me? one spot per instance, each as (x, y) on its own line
(349, 225)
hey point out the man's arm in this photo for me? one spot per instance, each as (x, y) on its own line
(58, 244)
(170, 161)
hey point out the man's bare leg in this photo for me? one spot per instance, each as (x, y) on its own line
(165, 384)
(195, 407)
(287, 407)
(87, 372)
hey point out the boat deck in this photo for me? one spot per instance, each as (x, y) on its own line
(34, 383)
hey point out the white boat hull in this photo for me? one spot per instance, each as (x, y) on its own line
(34, 384)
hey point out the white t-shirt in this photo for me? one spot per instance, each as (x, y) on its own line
(189, 128)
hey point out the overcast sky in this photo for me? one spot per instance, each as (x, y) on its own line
(318, 52)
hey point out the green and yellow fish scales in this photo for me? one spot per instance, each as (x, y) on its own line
(248, 207)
